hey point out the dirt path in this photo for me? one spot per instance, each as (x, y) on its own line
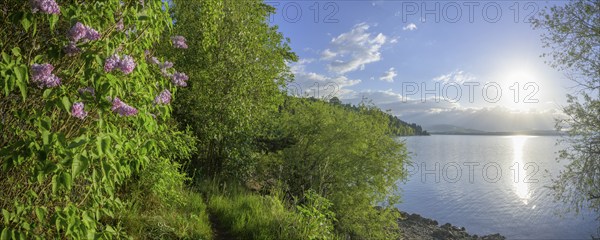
(219, 231)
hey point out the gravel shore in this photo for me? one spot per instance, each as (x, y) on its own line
(413, 226)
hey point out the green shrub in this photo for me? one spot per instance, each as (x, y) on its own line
(346, 156)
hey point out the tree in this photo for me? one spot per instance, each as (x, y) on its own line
(347, 156)
(237, 68)
(572, 32)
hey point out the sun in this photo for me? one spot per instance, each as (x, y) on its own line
(521, 88)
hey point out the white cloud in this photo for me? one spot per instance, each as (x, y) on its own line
(328, 54)
(389, 75)
(351, 51)
(308, 83)
(430, 113)
(456, 76)
(410, 27)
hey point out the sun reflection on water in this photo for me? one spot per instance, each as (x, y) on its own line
(521, 188)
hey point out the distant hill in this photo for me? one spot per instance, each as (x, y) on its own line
(448, 129)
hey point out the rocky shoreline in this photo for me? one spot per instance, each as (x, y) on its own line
(413, 226)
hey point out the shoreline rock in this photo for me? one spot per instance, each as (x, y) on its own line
(414, 226)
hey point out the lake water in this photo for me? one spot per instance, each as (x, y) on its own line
(491, 184)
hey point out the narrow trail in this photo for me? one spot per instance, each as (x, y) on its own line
(219, 231)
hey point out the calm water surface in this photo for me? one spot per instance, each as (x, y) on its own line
(491, 184)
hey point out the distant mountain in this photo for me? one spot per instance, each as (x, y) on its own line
(448, 129)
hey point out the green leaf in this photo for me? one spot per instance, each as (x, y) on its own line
(47, 93)
(6, 216)
(16, 51)
(4, 235)
(45, 124)
(54, 184)
(78, 142)
(66, 180)
(5, 57)
(45, 137)
(53, 20)
(66, 104)
(80, 163)
(40, 213)
(25, 22)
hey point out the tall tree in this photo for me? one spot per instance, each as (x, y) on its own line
(572, 32)
(237, 65)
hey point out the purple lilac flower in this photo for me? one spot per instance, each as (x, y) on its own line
(43, 77)
(120, 26)
(77, 110)
(163, 97)
(80, 31)
(127, 64)
(165, 65)
(179, 79)
(112, 62)
(179, 42)
(154, 60)
(45, 6)
(91, 34)
(87, 90)
(122, 109)
(71, 49)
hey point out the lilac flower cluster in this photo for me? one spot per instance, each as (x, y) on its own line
(163, 97)
(126, 64)
(179, 79)
(43, 77)
(45, 6)
(122, 109)
(77, 110)
(80, 31)
(179, 42)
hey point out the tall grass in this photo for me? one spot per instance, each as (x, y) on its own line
(250, 216)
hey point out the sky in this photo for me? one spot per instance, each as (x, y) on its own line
(471, 64)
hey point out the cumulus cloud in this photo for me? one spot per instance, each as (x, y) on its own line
(389, 75)
(456, 76)
(351, 51)
(313, 84)
(410, 27)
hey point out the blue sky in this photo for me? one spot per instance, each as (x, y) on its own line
(463, 53)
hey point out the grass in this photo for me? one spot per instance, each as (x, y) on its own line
(185, 220)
